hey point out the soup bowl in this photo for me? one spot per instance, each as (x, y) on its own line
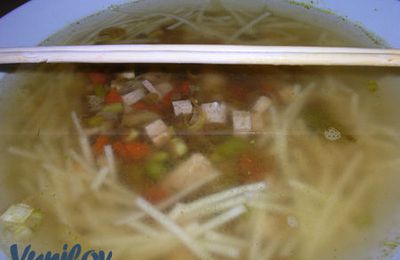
(371, 20)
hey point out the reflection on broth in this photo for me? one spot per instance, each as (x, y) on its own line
(198, 161)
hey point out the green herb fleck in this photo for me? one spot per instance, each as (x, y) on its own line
(372, 86)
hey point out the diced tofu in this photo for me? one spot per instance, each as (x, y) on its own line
(215, 112)
(182, 107)
(160, 89)
(158, 132)
(150, 87)
(133, 97)
(195, 169)
(241, 121)
(262, 104)
(127, 75)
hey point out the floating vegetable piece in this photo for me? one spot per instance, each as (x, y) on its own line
(184, 89)
(17, 214)
(98, 78)
(150, 87)
(135, 151)
(195, 169)
(215, 112)
(100, 91)
(98, 146)
(133, 97)
(127, 75)
(241, 122)
(156, 193)
(137, 118)
(113, 97)
(113, 108)
(158, 132)
(372, 86)
(96, 120)
(19, 221)
(156, 167)
(182, 107)
(197, 121)
(230, 148)
(132, 135)
(178, 147)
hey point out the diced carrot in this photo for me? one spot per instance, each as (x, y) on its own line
(98, 78)
(98, 146)
(155, 193)
(167, 99)
(156, 108)
(113, 97)
(140, 105)
(137, 150)
(251, 167)
(185, 89)
(132, 151)
(119, 149)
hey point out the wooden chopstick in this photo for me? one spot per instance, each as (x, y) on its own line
(203, 54)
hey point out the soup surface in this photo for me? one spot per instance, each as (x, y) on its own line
(199, 161)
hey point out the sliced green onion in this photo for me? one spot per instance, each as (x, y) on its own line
(372, 86)
(113, 108)
(231, 147)
(178, 147)
(100, 91)
(155, 169)
(96, 120)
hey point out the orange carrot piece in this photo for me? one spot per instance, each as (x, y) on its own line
(155, 194)
(98, 78)
(113, 97)
(132, 151)
(137, 151)
(119, 149)
(98, 146)
(140, 105)
(185, 89)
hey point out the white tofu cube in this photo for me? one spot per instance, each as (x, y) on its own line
(158, 132)
(127, 75)
(150, 87)
(182, 107)
(195, 169)
(241, 121)
(133, 97)
(215, 112)
(262, 104)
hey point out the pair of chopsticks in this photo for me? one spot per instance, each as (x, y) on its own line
(203, 54)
